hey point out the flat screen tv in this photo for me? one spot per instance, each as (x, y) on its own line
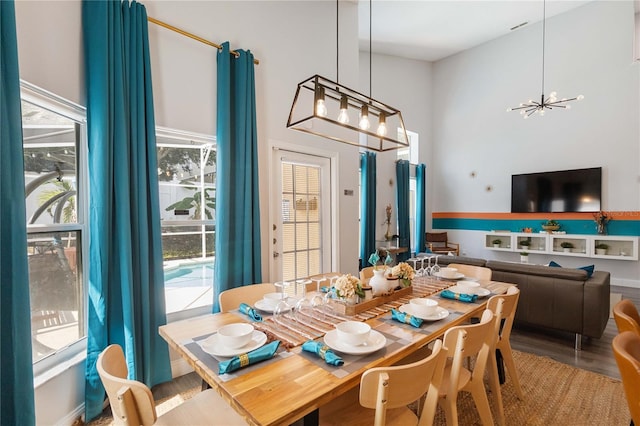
(577, 190)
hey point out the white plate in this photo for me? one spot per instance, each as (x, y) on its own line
(375, 342)
(212, 345)
(266, 307)
(481, 292)
(457, 276)
(440, 313)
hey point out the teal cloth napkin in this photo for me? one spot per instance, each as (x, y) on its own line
(323, 351)
(448, 294)
(406, 318)
(265, 352)
(250, 312)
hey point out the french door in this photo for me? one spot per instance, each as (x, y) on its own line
(302, 223)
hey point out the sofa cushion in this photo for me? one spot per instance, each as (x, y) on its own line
(588, 268)
(445, 260)
(538, 270)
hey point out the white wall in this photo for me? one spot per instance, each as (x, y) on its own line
(404, 84)
(589, 52)
(292, 41)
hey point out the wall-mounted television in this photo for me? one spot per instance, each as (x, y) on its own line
(577, 190)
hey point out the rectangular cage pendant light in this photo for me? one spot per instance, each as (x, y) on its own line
(325, 108)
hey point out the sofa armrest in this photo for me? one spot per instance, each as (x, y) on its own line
(597, 291)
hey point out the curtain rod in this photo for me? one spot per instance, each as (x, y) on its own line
(193, 36)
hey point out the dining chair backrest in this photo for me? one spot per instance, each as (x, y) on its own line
(504, 326)
(626, 316)
(385, 388)
(510, 304)
(626, 350)
(232, 298)
(473, 341)
(131, 401)
(472, 271)
(366, 273)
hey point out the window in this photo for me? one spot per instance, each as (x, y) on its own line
(54, 142)
(186, 176)
(410, 153)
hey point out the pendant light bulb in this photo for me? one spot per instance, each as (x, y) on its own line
(321, 108)
(343, 117)
(382, 125)
(364, 118)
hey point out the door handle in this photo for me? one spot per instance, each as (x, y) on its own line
(276, 254)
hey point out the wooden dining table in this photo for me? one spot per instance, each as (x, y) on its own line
(294, 384)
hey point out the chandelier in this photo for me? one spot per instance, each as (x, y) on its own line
(328, 109)
(533, 106)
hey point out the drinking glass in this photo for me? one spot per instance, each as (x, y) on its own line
(435, 268)
(304, 308)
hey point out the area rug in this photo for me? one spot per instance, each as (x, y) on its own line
(555, 394)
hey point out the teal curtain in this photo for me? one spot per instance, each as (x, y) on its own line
(16, 376)
(402, 201)
(421, 207)
(237, 260)
(367, 206)
(126, 282)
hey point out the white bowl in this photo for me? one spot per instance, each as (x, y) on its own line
(468, 287)
(448, 272)
(236, 335)
(353, 332)
(424, 306)
(272, 299)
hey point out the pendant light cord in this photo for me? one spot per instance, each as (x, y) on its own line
(370, 20)
(337, 42)
(544, 24)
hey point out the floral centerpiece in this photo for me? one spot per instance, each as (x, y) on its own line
(405, 272)
(601, 220)
(348, 288)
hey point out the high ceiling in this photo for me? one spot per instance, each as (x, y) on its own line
(434, 29)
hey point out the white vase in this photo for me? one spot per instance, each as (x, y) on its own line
(524, 259)
(601, 251)
(378, 282)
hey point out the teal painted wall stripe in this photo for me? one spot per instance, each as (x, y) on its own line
(585, 227)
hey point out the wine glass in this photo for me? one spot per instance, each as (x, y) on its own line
(304, 308)
(280, 311)
(435, 268)
(282, 285)
(318, 280)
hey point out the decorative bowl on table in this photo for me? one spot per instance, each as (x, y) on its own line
(353, 332)
(235, 335)
(423, 306)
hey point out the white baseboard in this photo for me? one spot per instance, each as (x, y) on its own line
(71, 417)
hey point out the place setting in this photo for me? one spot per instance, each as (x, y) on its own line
(425, 309)
(469, 287)
(448, 274)
(354, 338)
(233, 339)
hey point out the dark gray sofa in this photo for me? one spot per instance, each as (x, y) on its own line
(557, 298)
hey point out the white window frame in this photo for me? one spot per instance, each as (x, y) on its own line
(55, 362)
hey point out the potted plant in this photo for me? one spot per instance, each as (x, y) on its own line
(601, 248)
(496, 243)
(525, 244)
(524, 257)
(566, 246)
(550, 225)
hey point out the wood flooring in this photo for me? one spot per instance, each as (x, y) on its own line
(596, 354)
